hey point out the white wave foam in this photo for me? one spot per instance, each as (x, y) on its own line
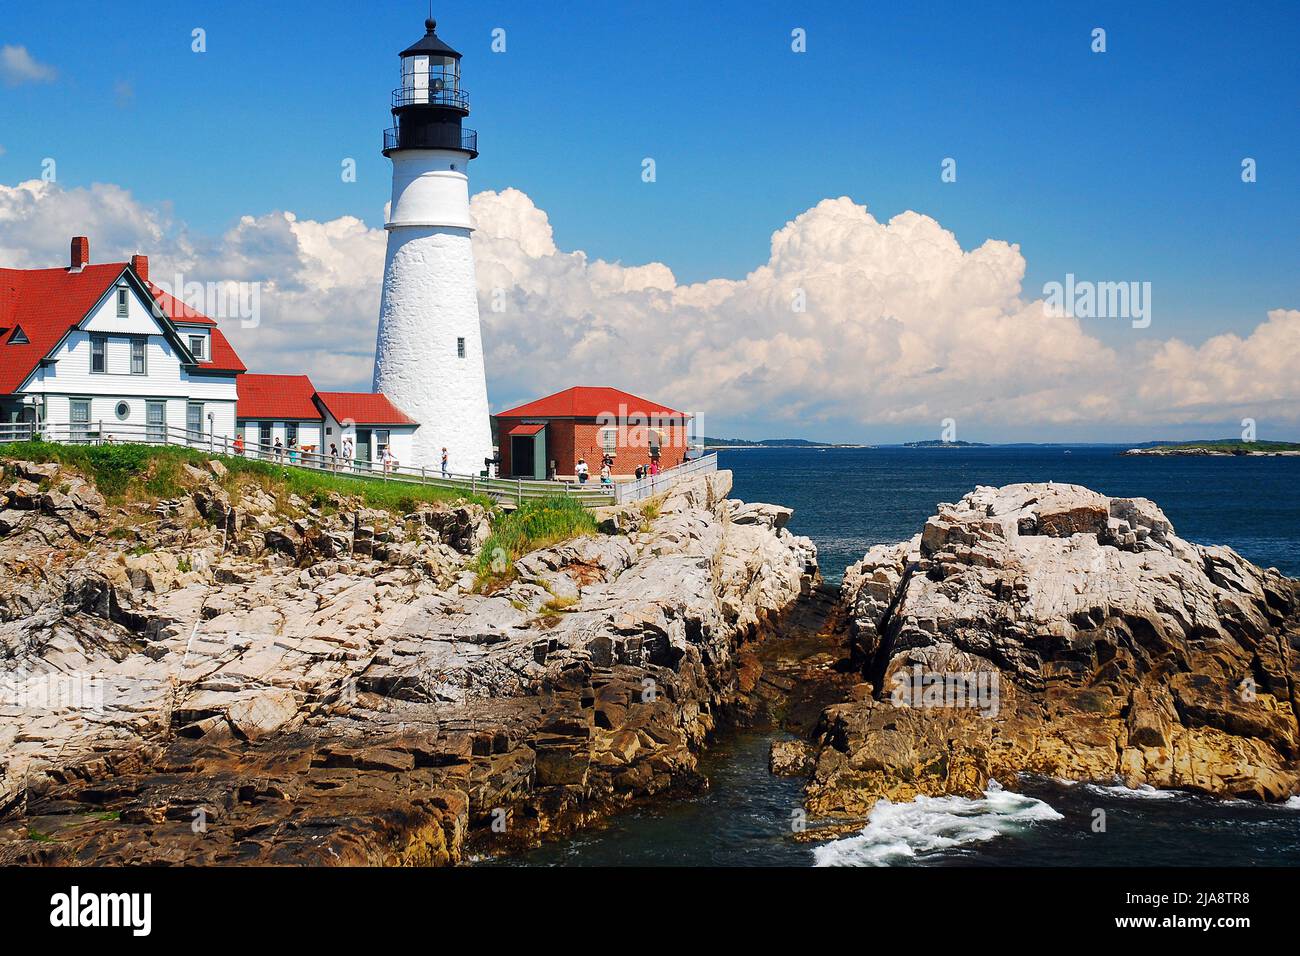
(1141, 792)
(1292, 803)
(896, 832)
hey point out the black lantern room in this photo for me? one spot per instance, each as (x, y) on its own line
(429, 105)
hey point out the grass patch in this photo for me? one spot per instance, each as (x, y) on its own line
(536, 524)
(38, 836)
(125, 473)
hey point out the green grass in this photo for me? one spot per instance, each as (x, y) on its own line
(536, 524)
(141, 472)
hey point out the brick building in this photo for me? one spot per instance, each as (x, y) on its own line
(549, 435)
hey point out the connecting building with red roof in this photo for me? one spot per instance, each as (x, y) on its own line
(547, 437)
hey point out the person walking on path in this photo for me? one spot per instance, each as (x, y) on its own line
(334, 457)
(605, 477)
(581, 471)
(445, 471)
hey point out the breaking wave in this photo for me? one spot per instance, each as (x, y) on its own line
(900, 832)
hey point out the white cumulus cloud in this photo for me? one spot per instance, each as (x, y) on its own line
(852, 322)
(17, 66)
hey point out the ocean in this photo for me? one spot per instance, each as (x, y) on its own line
(847, 499)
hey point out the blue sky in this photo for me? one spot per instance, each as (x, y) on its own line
(1119, 165)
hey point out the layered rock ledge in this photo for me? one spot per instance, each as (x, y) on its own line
(256, 680)
(1049, 629)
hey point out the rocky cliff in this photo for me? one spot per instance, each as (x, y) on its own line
(247, 678)
(1049, 629)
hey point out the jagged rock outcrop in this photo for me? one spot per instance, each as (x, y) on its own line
(1050, 629)
(232, 678)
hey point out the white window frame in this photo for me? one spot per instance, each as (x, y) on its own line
(123, 302)
(460, 347)
(201, 353)
(79, 431)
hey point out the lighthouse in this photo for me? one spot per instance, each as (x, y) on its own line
(429, 350)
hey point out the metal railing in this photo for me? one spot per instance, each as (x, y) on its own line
(431, 138)
(503, 490)
(439, 92)
(653, 485)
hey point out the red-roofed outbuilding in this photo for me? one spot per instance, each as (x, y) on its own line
(547, 437)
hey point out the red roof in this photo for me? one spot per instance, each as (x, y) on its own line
(584, 401)
(525, 430)
(178, 310)
(282, 397)
(47, 303)
(363, 408)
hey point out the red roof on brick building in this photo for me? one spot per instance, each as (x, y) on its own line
(363, 408)
(282, 397)
(585, 401)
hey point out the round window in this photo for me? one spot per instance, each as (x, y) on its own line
(123, 410)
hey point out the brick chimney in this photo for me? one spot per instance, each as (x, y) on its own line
(80, 253)
(141, 266)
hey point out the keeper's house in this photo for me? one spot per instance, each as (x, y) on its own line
(545, 438)
(98, 347)
(97, 352)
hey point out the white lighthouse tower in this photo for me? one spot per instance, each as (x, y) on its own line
(429, 350)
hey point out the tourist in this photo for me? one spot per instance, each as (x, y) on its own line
(334, 457)
(347, 453)
(279, 451)
(606, 478)
(445, 472)
(239, 446)
(293, 453)
(640, 472)
(654, 467)
(553, 471)
(581, 471)
(390, 462)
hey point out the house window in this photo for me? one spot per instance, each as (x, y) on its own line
(19, 337)
(291, 434)
(79, 414)
(460, 348)
(194, 420)
(123, 411)
(196, 347)
(98, 348)
(381, 442)
(122, 308)
(264, 438)
(137, 356)
(609, 440)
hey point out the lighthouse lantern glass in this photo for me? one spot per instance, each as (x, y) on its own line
(430, 79)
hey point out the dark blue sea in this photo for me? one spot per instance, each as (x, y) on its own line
(849, 499)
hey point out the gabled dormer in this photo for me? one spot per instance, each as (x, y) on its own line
(16, 336)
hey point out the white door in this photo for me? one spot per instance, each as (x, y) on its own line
(155, 418)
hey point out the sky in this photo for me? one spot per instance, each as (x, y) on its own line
(778, 175)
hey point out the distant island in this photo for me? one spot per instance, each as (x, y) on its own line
(1217, 446)
(939, 443)
(775, 443)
